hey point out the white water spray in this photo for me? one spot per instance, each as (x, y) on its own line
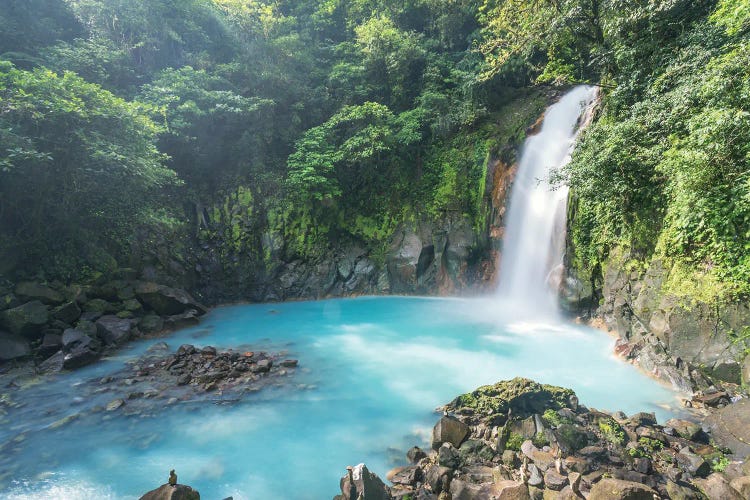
(531, 264)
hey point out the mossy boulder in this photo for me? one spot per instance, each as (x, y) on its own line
(523, 396)
(26, 320)
(30, 290)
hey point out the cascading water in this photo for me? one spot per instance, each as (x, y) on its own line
(534, 243)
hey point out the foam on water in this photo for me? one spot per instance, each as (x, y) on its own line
(379, 367)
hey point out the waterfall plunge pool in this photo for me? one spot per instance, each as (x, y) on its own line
(377, 366)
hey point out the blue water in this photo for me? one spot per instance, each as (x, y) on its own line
(371, 372)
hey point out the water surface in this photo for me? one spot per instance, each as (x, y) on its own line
(377, 366)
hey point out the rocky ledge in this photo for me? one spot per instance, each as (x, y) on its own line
(522, 440)
(66, 327)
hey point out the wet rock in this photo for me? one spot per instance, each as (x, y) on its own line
(616, 489)
(449, 430)
(167, 301)
(169, 492)
(78, 356)
(361, 484)
(53, 364)
(289, 363)
(113, 330)
(30, 290)
(13, 346)
(115, 404)
(26, 320)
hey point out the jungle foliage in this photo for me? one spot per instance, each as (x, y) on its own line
(343, 118)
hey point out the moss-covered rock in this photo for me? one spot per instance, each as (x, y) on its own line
(523, 396)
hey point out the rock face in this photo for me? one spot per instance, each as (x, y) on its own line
(627, 457)
(665, 335)
(169, 492)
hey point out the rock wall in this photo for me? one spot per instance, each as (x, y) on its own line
(684, 341)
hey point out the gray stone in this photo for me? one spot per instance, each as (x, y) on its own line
(437, 476)
(51, 343)
(449, 430)
(402, 261)
(53, 364)
(462, 490)
(113, 330)
(730, 427)
(415, 454)
(535, 476)
(26, 320)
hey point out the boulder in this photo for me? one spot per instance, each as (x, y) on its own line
(169, 492)
(523, 396)
(730, 427)
(27, 319)
(98, 307)
(686, 429)
(361, 484)
(79, 349)
(742, 485)
(53, 364)
(716, 487)
(449, 430)
(679, 491)
(13, 346)
(437, 476)
(415, 454)
(151, 323)
(554, 480)
(67, 313)
(30, 290)
(616, 489)
(113, 330)
(167, 301)
(463, 490)
(691, 463)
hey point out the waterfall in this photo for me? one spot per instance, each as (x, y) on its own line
(534, 243)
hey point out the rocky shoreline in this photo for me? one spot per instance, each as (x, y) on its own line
(56, 327)
(522, 440)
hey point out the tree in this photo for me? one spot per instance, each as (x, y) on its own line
(79, 170)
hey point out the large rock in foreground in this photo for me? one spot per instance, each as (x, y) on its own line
(169, 492)
(522, 396)
(361, 484)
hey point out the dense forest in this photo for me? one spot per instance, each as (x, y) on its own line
(189, 124)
